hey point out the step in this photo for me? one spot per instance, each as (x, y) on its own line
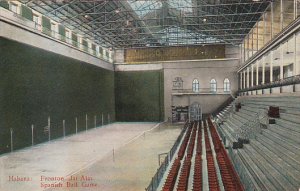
(283, 154)
(255, 106)
(245, 116)
(273, 175)
(236, 122)
(291, 136)
(248, 113)
(291, 117)
(245, 175)
(256, 172)
(295, 111)
(229, 136)
(233, 126)
(239, 118)
(227, 127)
(280, 165)
(288, 125)
(283, 145)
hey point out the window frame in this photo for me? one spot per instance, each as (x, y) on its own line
(195, 85)
(226, 85)
(213, 85)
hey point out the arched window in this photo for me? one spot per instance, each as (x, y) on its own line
(213, 85)
(226, 85)
(195, 85)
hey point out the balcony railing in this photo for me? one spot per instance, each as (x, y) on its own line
(284, 82)
(19, 19)
(200, 91)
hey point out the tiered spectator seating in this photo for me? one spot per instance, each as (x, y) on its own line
(185, 171)
(230, 179)
(212, 174)
(184, 175)
(172, 176)
(272, 160)
(192, 141)
(181, 179)
(197, 181)
(184, 143)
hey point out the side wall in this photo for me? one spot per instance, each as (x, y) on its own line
(35, 84)
(139, 95)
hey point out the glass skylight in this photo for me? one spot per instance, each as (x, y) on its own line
(143, 7)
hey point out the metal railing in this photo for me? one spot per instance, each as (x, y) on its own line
(241, 170)
(250, 128)
(223, 106)
(263, 118)
(156, 179)
(283, 82)
(201, 91)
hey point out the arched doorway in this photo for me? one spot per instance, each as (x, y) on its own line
(195, 112)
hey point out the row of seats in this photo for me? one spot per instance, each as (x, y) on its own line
(212, 173)
(184, 175)
(185, 171)
(192, 141)
(184, 143)
(197, 180)
(172, 176)
(230, 179)
(173, 173)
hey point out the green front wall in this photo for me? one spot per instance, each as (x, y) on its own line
(35, 84)
(139, 96)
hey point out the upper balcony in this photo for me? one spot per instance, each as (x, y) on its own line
(10, 18)
(278, 17)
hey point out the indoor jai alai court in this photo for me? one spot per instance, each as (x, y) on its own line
(149, 95)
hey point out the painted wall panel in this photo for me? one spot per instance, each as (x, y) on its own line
(140, 55)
